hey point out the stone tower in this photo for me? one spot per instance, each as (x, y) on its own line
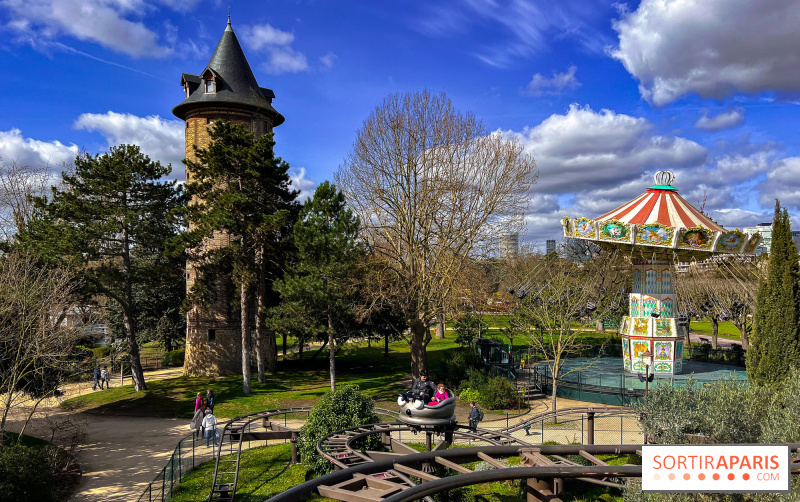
(225, 90)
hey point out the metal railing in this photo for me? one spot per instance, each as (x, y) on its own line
(191, 452)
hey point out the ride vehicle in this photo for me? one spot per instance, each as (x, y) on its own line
(416, 412)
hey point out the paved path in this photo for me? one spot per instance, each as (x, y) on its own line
(120, 454)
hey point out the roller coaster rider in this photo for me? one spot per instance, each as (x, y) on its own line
(422, 389)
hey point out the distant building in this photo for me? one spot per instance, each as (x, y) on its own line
(765, 229)
(551, 246)
(509, 245)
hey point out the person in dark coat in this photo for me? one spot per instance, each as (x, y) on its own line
(210, 401)
(422, 389)
(474, 415)
(96, 376)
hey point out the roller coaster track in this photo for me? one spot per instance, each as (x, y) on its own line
(241, 429)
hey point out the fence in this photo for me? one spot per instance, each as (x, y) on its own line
(191, 452)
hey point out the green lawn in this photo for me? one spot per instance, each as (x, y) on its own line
(295, 383)
(726, 329)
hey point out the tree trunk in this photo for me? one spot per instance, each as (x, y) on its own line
(260, 312)
(714, 331)
(688, 333)
(325, 344)
(440, 326)
(332, 355)
(245, 339)
(284, 345)
(743, 335)
(555, 402)
(299, 347)
(601, 326)
(386, 344)
(129, 319)
(419, 357)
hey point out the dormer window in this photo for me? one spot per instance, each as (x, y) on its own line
(209, 83)
(186, 89)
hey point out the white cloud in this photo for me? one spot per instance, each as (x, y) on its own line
(297, 177)
(724, 120)
(327, 60)
(584, 150)
(105, 22)
(541, 85)
(160, 139)
(259, 36)
(285, 60)
(14, 148)
(522, 28)
(282, 58)
(783, 183)
(710, 47)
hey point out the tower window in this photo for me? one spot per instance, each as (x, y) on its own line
(210, 86)
(186, 89)
(212, 336)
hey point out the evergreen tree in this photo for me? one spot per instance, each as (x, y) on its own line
(110, 219)
(775, 347)
(318, 286)
(245, 194)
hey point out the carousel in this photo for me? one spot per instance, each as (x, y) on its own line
(657, 228)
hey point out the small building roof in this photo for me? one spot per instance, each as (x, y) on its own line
(234, 81)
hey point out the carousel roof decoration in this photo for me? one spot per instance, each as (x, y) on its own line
(661, 218)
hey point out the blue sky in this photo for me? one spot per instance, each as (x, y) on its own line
(602, 93)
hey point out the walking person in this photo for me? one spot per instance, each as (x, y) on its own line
(210, 401)
(210, 426)
(96, 377)
(107, 377)
(199, 408)
(475, 415)
(104, 377)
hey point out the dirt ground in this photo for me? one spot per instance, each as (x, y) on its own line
(120, 454)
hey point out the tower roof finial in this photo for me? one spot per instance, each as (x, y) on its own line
(229, 15)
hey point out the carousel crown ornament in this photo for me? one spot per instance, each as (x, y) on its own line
(657, 227)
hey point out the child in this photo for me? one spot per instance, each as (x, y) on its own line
(441, 395)
(104, 377)
(210, 426)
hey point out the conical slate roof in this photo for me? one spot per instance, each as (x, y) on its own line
(235, 83)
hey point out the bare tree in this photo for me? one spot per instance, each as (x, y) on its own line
(35, 344)
(18, 186)
(432, 189)
(560, 298)
(721, 290)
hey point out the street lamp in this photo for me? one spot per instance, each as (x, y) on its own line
(647, 377)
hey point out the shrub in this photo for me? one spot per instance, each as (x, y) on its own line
(100, 352)
(25, 474)
(347, 407)
(492, 393)
(453, 370)
(173, 357)
(468, 329)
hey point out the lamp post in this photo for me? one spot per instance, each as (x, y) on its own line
(647, 354)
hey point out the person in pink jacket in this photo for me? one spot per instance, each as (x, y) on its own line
(199, 404)
(441, 395)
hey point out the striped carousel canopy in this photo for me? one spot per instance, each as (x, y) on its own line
(660, 218)
(661, 204)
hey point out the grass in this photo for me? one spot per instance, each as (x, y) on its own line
(265, 472)
(296, 383)
(10, 438)
(726, 329)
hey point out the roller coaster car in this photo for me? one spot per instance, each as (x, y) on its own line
(416, 412)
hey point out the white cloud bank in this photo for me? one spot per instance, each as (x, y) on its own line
(160, 139)
(16, 149)
(113, 24)
(298, 180)
(724, 120)
(714, 48)
(277, 44)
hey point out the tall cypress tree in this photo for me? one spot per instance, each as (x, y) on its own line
(776, 330)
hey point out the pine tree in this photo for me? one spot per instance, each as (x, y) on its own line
(775, 345)
(245, 193)
(318, 284)
(110, 219)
